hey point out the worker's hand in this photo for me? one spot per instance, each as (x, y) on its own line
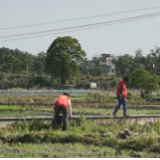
(70, 116)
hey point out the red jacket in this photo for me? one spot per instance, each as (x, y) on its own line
(62, 101)
(121, 89)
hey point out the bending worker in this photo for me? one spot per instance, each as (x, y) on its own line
(62, 103)
(121, 96)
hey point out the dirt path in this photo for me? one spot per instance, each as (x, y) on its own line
(140, 119)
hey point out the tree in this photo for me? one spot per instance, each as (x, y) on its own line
(122, 65)
(140, 78)
(27, 60)
(37, 66)
(98, 69)
(152, 84)
(17, 68)
(39, 63)
(63, 57)
(7, 63)
(155, 54)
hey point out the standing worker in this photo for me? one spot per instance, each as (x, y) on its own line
(62, 103)
(121, 96)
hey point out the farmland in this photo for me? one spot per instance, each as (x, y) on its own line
(84, 138)
(91, 104)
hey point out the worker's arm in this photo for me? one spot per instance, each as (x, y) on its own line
(55, 102)
(70, 108)
(120, 90)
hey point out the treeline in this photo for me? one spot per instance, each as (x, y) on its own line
(19, 62)
(150, 62)
(42, 81)
(19, 69)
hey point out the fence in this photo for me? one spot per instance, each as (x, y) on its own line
(45, 92)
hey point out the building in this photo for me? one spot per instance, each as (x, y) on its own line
(108, 64)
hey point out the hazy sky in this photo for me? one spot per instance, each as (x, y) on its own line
(118, 39)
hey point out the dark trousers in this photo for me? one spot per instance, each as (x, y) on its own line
(124, 104)
(57, 110)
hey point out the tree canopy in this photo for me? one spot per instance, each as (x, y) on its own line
(63, 57)
(150, 62)
(140, 78)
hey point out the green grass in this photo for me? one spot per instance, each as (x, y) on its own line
(58, 150)
(32, 111)
(84, 139)
(69, 150)
(103, 111)
(12, 108)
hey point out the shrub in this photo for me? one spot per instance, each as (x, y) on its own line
(138, 143)
(113, 83)
(129, 95)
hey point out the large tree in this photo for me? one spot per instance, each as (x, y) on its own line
(63, 57)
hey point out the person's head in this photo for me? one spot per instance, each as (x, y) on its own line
(67, 94)
(126, 79)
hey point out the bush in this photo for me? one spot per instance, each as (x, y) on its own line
(113, 83)
(138, 143)
(129, 95)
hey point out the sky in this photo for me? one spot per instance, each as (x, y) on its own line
(117, 39)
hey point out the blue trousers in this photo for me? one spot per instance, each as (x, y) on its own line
(124, 104)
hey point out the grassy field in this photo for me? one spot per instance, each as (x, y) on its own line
(71, 150)
(19, 111)
(84, 138)
(55, 150)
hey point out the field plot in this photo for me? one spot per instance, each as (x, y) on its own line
(84, 138)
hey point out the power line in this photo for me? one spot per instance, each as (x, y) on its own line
(82, 26)
(74, 19)
(91, 26)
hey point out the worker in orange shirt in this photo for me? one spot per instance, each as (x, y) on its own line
(62, 103)
(121, 96)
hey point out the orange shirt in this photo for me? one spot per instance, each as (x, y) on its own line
(121, 89)
(62, 101)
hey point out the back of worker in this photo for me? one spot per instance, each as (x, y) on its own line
(61, 104)
(62, 101)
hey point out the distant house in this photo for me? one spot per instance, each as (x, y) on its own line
(108, 64)
(106, 61)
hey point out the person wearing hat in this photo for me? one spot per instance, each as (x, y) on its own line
(62, 103)
(121, 96)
